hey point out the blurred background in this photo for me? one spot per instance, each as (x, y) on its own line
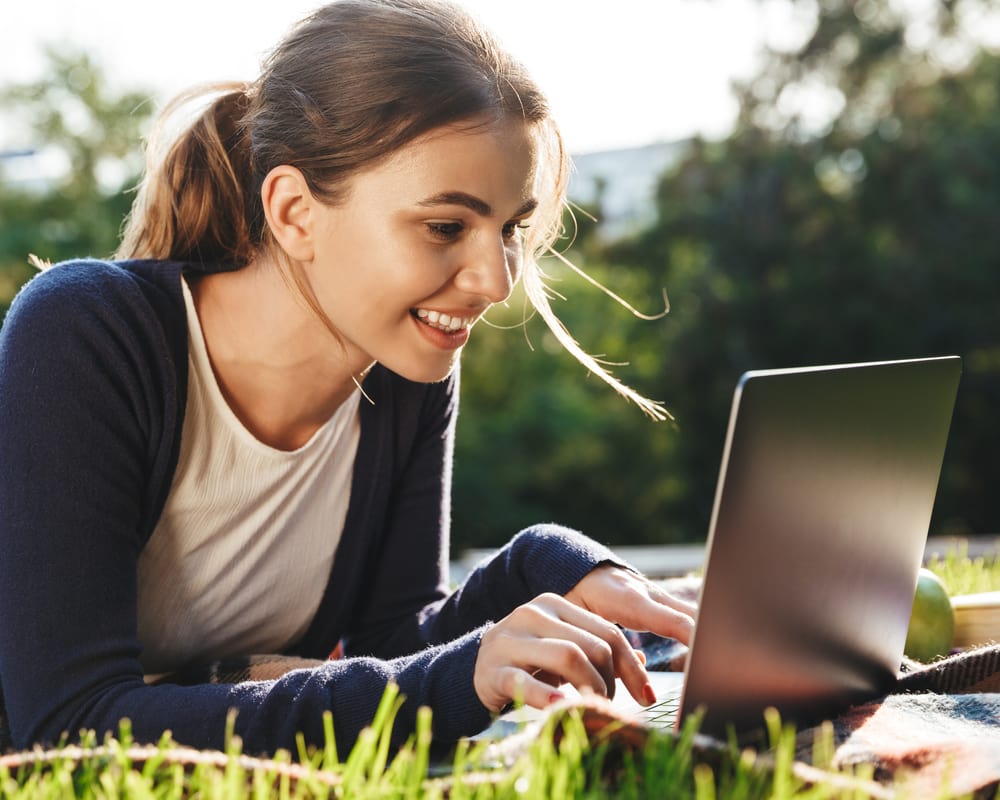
(808, 181)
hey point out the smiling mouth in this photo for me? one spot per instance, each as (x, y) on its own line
(442, 322)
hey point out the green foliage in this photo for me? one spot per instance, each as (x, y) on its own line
(963, 574)
(846, 248)
(868, 238)
(541, 440)
(70, 115)
(562, 761)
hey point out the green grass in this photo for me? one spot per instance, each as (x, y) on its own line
(568, 765)
(962, 574)
(561, 762)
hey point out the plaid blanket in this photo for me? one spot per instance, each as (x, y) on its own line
(936, 735)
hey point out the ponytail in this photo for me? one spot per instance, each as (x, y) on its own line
(192, 204)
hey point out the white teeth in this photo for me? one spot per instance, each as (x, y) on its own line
(443, 322)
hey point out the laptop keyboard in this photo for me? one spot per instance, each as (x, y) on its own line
(662, 714)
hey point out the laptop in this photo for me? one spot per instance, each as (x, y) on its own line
(817, 534)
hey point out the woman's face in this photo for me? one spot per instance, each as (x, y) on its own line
(424, 243)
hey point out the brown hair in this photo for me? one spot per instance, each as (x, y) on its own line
(350, 85)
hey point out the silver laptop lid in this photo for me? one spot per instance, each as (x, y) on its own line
(821, 514)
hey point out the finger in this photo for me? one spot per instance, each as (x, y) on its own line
(606, 646)
(625, 661)
(646, 696)
(536, 639)
(661, 595)
(562, 657)
(517, 686)
(675, 611)
(568, 661)
(630, 666)
(547, 677)
(633, 601)
(648, 608)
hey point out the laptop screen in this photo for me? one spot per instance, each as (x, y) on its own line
(821, 514)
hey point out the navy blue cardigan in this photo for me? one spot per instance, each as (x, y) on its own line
(93, 381)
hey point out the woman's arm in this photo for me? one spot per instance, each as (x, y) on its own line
(406, 605)
(85, 391)
(405, 602)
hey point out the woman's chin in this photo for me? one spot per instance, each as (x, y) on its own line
(425, 373)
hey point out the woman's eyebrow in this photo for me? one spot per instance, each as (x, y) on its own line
(473, 203)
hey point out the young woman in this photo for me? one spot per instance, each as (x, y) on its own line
(236, 438)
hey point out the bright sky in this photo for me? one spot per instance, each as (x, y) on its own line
(618, 73)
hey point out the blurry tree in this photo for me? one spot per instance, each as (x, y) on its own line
(848, 217)
(864, 232)
(541, 440)
(864, 236)
(71, 119)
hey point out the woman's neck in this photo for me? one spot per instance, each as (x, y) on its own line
(278, 366)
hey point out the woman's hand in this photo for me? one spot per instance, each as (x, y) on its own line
(634, 602)
(576, 639)
(550, 641)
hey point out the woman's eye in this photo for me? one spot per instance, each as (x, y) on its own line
(445, 230)
(511, 228)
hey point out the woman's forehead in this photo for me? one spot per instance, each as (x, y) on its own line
(497, 162)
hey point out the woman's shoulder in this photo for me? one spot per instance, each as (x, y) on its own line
(92, 303)
(89, 281)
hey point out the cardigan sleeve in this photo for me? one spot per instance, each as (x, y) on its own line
(84, 381)
(89, 393)
(406, 602)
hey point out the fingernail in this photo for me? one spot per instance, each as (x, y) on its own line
(555, 697)
(648, 694)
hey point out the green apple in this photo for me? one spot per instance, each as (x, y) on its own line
(932, 621)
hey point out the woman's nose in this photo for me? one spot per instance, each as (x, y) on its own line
(490, 272)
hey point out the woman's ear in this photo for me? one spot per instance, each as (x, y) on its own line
(288, 208)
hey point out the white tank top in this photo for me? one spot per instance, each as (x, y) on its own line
(242, 553)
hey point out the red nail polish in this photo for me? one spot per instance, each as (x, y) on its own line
(648, 694)
(555, 697)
